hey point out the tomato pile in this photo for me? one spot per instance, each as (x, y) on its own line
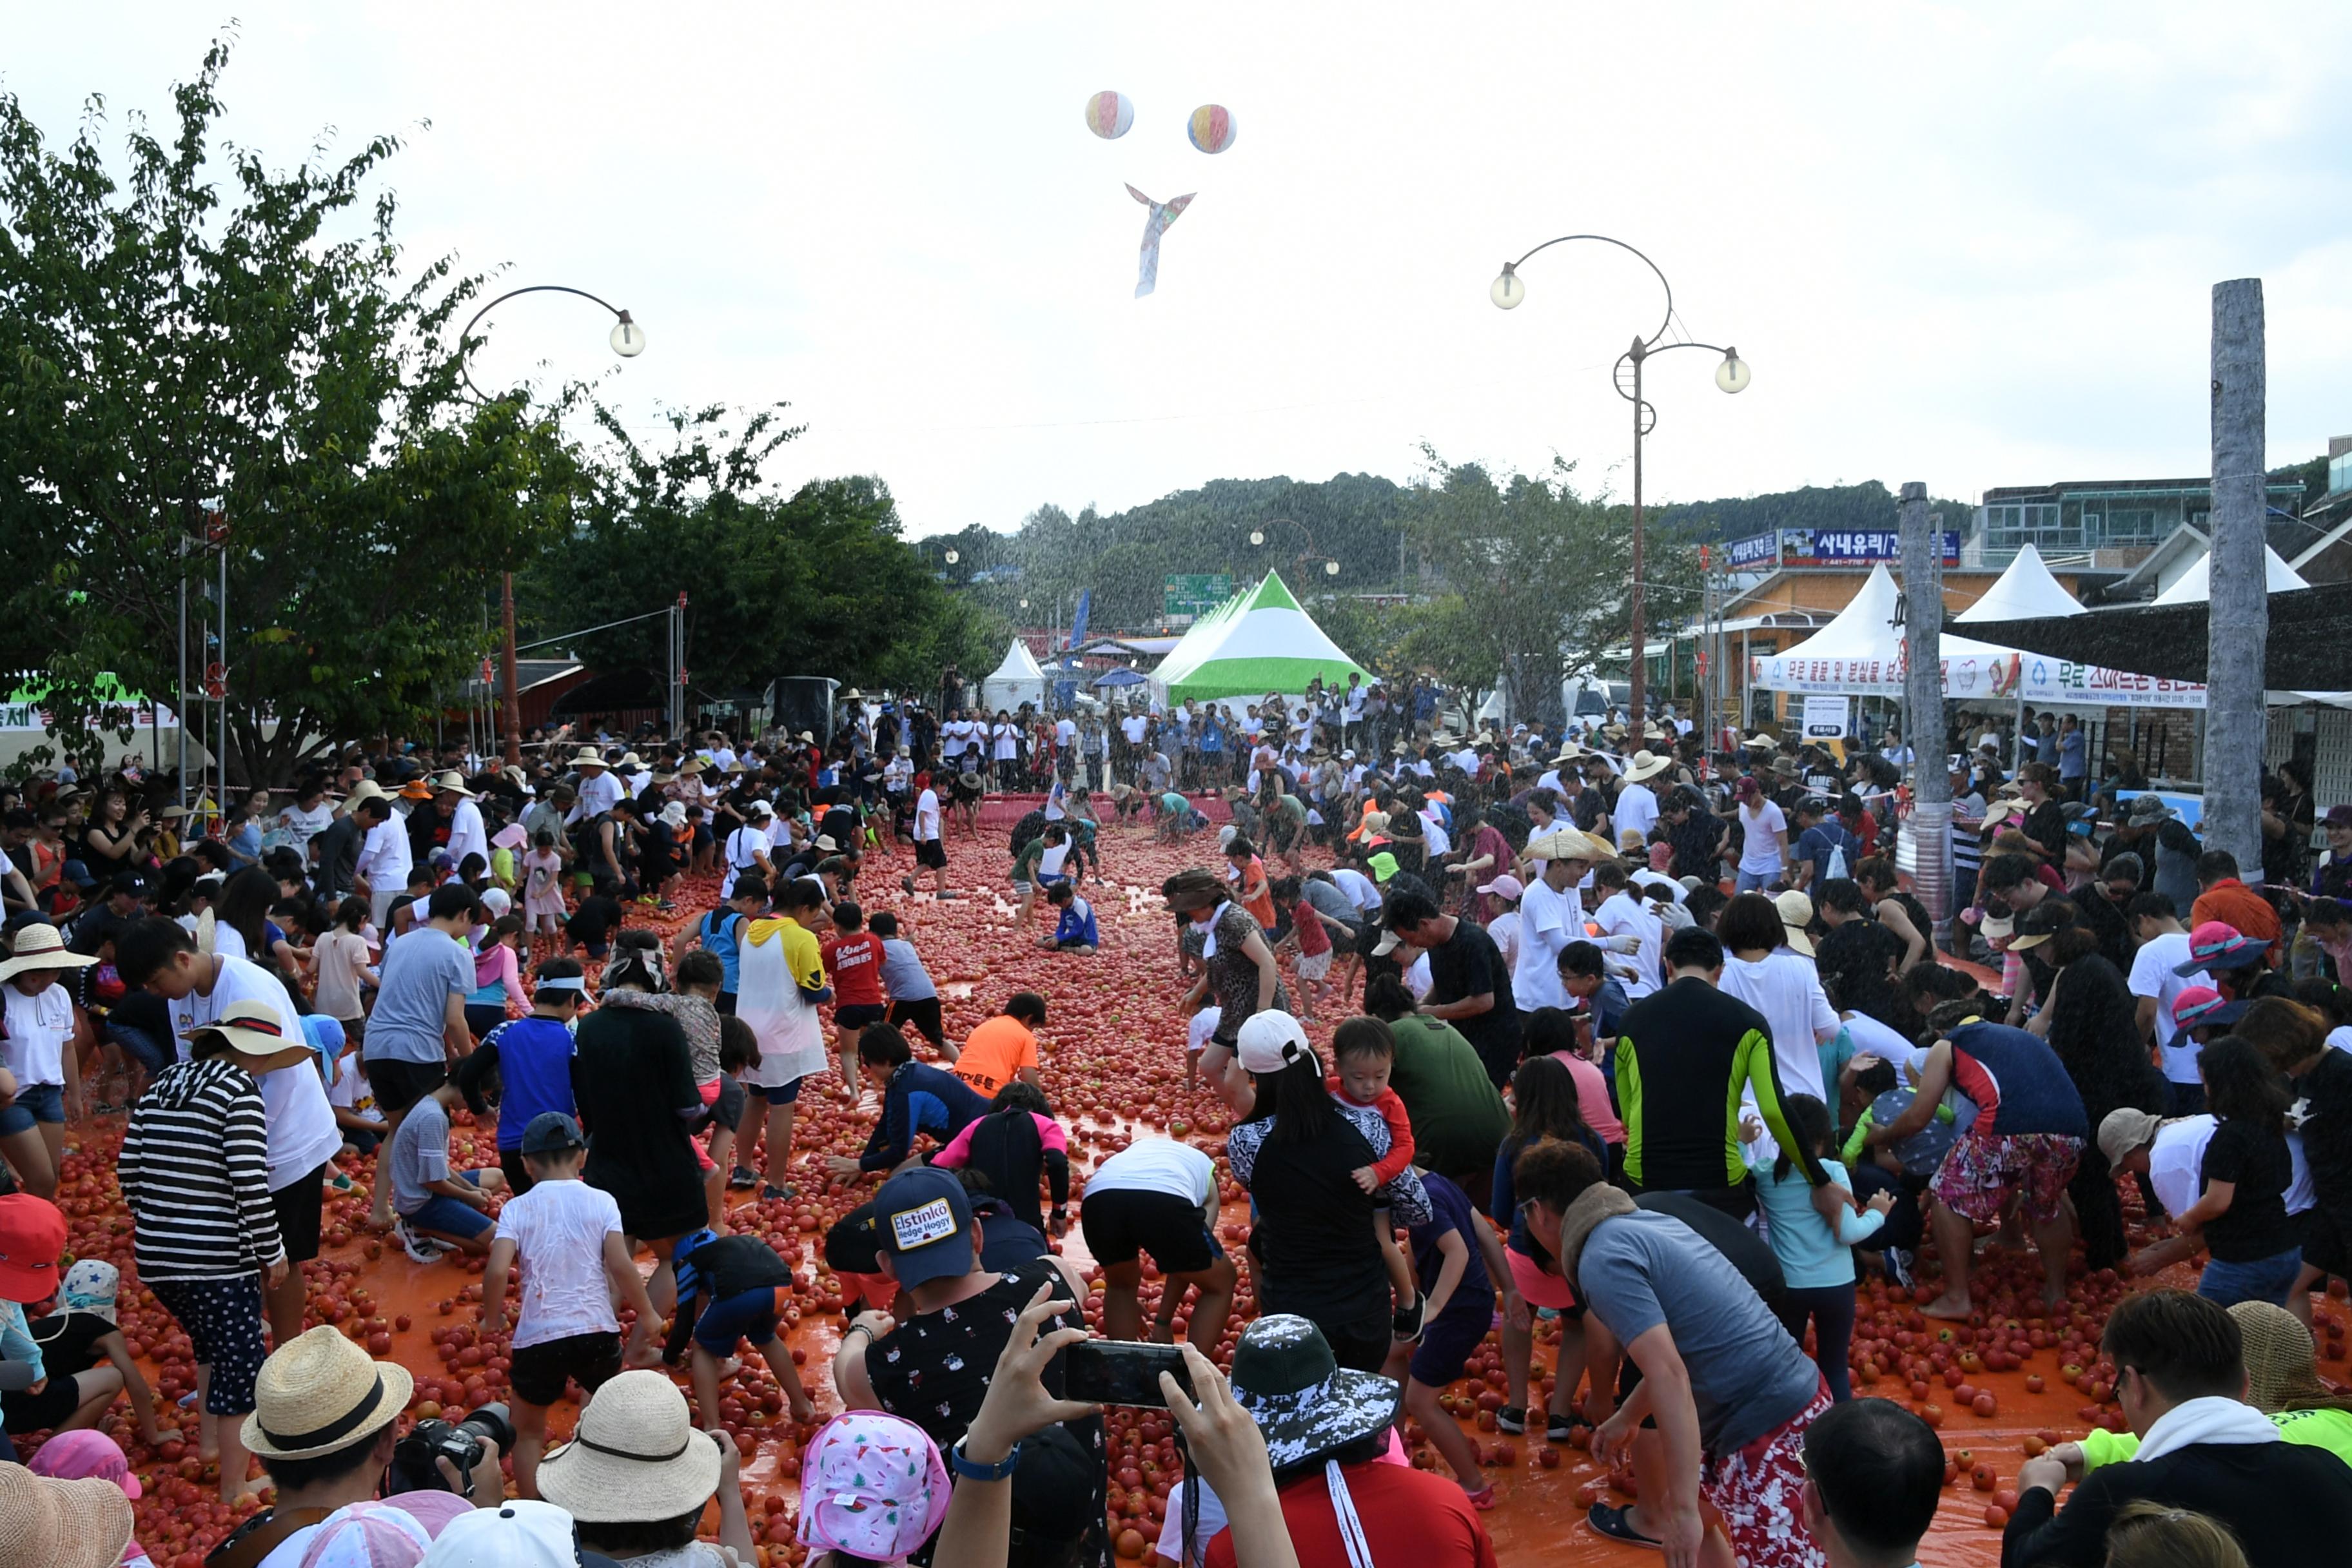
(2010, 1381)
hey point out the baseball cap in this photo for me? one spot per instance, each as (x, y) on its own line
(32, 1235)
(1270, 1041)
(552, 1132)
(924, 1221)
(1504, 887)
(518, 1534)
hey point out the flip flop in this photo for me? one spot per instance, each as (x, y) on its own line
(1482, 1499)
(1610, 1522)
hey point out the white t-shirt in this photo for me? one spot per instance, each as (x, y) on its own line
(1157, 1165)
(1132, 728)
(1548, 923)
(1636, 808)
(299, 826)
(1358, 886)
(1760, 855)
(2176, 1165)
(351, 1090)
(39, 1029)
(2151, 975)
(384, 860)
(1622, 914)
(1007, 741)
(1418, 979)
(598, 792)
(1504, 929)
(303, 1131)
(1874, 1038)
(559, 1230)
(1065, 731)
(1205, 1526)
(927, 815)
(1787, 989)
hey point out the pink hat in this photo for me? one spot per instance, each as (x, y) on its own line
(83, 1455)
(872, 1486)
(1505, 887)
(1662, 857)
(367, 1535)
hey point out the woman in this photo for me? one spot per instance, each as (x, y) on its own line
(638, 1477)
(633, 1079)
(1316, 1244)
(1549, 1106)
(1238, 974)
(242, 927)
(1764, 842)
(1898, 910)
(1860, 959)
(113, 839)
(2090, 1019)
(1784, 986)
(1480, 853)
(194, 1170)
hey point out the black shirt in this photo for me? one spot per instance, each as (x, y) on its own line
(338, 849)
(2289, 1506)
(1317, 1256)
(2327, 1091)
(2255, 1158)
(1468, 963)
(593, 921)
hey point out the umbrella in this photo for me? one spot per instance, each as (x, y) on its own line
(1119, 677)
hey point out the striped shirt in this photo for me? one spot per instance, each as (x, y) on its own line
(194, 1170)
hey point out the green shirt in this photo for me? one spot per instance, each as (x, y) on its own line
(1457, 1117)
(2328, 1429)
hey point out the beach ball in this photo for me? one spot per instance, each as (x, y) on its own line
(1108, 114)
(1212, 128)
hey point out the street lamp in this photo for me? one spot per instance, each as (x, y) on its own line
(1309, 556)
(1731, 374)
(951, 557)
(628, 340)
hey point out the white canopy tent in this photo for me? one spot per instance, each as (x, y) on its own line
(1017, 680)
(2196, 584)
(2027, 589)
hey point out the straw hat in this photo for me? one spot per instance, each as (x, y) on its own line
(255, 1034)
(1796, 914)
(366, 789)
(323, 1393)
(62, 1524)
(635, 1455)
(452, 783)
(40, 945)
(588, 757)
(2280, 1368)
(1646, 764)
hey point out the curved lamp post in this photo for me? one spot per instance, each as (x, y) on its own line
(1731, 374)
(1308, 556)
(628, 340)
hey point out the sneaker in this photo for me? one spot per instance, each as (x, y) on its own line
(1900, 1261)
(772, 1194)
(1511, 1418)
(420, 1249)
(906, 884)
(740, 1180)
(1560, 1428)
(343, 1182)
(1405, 1326)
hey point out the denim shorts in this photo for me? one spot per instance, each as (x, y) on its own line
(2262, 1279)
(746, 1315)
(448, 1215)
(35, 1102)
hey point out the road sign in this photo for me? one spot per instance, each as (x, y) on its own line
(215, 681)
(1194, 592)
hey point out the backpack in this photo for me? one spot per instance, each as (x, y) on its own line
(1833, 869)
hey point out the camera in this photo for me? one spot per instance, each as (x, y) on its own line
(413, 1469)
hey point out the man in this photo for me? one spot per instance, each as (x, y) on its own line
(385, 861)
(1697, 834)
(2156, 981)
(1552, 915)
(335, 852)
(1636, 810)
(2011, 878)
(1003, 1047)
(599, 792)
(1687, 1057)
(2073, 758)
(2332, 878)
(467, 834)
(418, 1025)
(930, 847)
(2181, 1377)
(1823, 843)
(1470, 988)
(1874, 1473)
(324, 1423)
(1731, 1392)
(2222, 897)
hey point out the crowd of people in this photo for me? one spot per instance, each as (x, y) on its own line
(1640, 1043)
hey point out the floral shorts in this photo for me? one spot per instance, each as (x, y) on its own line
(1982, 1169)
(1758, 1491)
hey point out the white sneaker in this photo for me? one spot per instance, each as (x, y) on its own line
(420, 1248)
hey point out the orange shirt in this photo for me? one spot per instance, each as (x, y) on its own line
(2235, 904)
(1260, 908)
(994, 1052)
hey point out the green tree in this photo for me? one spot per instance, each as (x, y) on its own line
(174, 347)
(818, 582)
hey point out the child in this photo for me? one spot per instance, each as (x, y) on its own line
(353, 1101)
(407, 908)
(1457, 1258)
(439, 1209)
(731, 1288)
(340, 958)
(914, 999)
(2246, 1168)
(495, 975)
(532, 1057)
(1198, 1033)
(1362, 1058)
(1014, 1146)
(567, 1237)
(42, 1027)
(1871, 1097)
(872, 1488)
(83, 1455)
(738, 1052)
(1544, 1104)
(85, 1359)
(1246, 872)
(504, 846)
(853, 962)
(542, 894)
(592, 925)
(1813, 1257)
(1075, 931)
(1314, 930)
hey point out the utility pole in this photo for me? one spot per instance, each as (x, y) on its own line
(1928, 836)
(2237, 640)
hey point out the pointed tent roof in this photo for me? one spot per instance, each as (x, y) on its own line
(1019, 663)
(1864, 629)
(2026, 590)
(1260, 640)
(2196, 584)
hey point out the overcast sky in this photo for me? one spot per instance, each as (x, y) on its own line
(1972, 243)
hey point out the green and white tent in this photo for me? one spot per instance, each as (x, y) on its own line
(1256, 642)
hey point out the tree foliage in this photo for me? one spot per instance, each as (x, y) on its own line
(818, 582)
(170, 346)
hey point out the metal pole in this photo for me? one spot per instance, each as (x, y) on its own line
(2238, 641)
(1634, 699)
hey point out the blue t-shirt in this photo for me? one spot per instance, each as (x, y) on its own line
(1816, 843)
(421, 973)
(534, 1058)
(1078, 924)
(1474, 1299)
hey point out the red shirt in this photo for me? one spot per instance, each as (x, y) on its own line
(1412, 1515)
(856, 965)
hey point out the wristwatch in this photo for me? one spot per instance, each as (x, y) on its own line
(971, 1470)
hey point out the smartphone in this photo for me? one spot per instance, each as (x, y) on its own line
(1120, 1372)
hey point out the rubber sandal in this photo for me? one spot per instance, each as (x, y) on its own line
(1610, 1522)
(1481, 1500)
